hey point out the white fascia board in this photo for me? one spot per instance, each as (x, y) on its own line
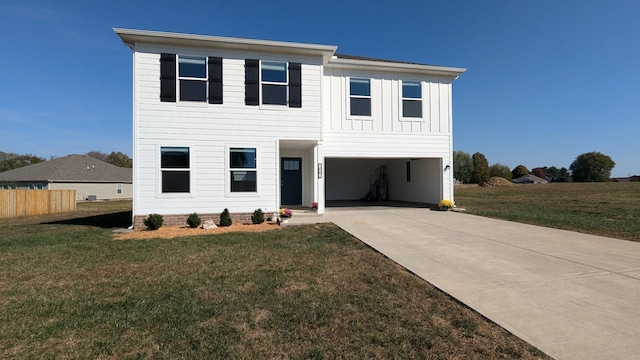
(130, 37)
(357, 64)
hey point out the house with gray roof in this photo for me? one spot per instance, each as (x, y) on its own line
(92, 179)
(529, 179)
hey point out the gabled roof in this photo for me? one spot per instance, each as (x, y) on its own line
(71, 168)
(529, 178)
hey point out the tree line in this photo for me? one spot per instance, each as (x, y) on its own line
(10, 161)
(587, 167)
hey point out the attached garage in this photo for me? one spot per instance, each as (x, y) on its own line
(415, 180)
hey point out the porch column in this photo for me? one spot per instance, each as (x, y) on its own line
(318, 184)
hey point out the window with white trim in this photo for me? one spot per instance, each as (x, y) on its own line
(274, 82)
(411, 99)
(175, 169)
(39, 186)
(32, 186)
(119, 189)
(360, 97)
(192, 78)
(243, 169)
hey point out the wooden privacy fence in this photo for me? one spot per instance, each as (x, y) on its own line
(36, 202)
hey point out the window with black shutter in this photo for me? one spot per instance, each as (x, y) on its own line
(190, 78)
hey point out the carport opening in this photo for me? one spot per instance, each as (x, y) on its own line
(385, 182)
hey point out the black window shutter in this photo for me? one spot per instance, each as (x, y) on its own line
(168, 77)
(251, 82)
(295, 85)
(215, 80)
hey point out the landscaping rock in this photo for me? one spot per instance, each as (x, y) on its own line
(209, 224)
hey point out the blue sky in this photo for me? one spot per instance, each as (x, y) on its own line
(546, 81)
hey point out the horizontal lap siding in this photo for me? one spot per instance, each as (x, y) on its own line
(209, 129)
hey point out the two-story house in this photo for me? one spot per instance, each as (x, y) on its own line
(243, 124)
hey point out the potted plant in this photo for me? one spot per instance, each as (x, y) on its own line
(314, 206)
(285, 214)
(445, 205)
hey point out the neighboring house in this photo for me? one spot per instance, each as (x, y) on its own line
(529, 179)
(90, 178)
(244, 124)
(626, 179)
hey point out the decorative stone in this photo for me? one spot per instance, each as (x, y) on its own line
(209, 224)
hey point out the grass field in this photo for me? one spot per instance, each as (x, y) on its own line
(67, 290)
(607, 209)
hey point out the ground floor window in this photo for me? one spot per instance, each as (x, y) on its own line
(119, 189)
(175, 169)
(243, 170)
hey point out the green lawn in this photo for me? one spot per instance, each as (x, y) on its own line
(67, 290)
(607, 209)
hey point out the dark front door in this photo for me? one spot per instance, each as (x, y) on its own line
(291, 177)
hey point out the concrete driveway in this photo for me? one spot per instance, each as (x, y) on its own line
(573, 296)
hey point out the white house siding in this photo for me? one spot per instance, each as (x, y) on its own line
(208, 130)
(386, 135)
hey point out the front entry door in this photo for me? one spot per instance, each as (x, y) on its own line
(291, 177)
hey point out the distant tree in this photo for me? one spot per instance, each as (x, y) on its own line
(539, 172)
(116, 158)
(462, 166)
(10, 161)
(563, 175)
(519, 171)
(553, 174)
(500, 170)
(120, 159)
(98, 155)
(591, 167)
(481, 170)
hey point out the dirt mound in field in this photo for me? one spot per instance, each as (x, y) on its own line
(496, 181)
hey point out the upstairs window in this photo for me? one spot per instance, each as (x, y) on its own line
(175, 169)
(360, 97)
(274, 83)
(192, 78)
(411, 99)
(243, 170)
(192, 75)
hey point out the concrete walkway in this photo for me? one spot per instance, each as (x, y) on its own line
(571, 295)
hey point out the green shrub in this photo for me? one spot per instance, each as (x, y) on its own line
(194, 220)
(154, 221)
(257, 217)
(225, 218)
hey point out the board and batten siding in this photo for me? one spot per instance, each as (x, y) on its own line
(209, 130)
(386, 133)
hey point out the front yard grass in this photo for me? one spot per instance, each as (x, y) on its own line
(67, 290)
(607, 209)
